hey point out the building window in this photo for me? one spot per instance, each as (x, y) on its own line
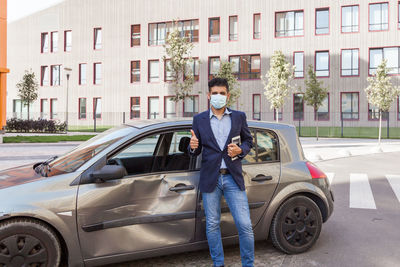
(349, 106)
(349, 62)
(97, 73)
(322, 63)
(97, 108)
(213, 67)
(373, 113)
(322, 21)
(55, 75)
(82, 108)
(323, 111)
(193, 68)
(82, 73)
(398, 107)
(378, 17)
(190, 106)
(67, 41)
(279, 115)
(289, 24)
(44, 77)
(246, 67)
(213, 29)
(53, 109)
(54, 42)
(45, 42)
(135, 40)
(153, 108)
(298, 61)
(391, 54)
(256, 107)
(135, 108)
(298, 107)
(135, 71)
(158, 32)
(398, 15)
(44, 108)
(169, 107)
(168, 73)
(350, 19)
(97, 38)
(189, 29)
(233, 28)
(257, 26)
(154, 71)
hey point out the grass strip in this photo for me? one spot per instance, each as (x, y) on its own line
(45, 138)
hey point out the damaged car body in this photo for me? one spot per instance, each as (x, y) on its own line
(132, 192)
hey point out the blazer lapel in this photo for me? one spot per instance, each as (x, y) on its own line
(233, 123)
(207, 124)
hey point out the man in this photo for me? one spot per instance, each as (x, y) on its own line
(221, 169)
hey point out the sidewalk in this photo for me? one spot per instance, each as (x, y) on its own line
(332, 148)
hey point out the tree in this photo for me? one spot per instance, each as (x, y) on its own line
(276, 84)
(178, 60)
(225, 71)
(381, 92)
(27, 89)
(315, 93)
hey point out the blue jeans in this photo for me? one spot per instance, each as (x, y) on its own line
(239, 207)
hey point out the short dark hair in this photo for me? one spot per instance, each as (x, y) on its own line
(218, 82)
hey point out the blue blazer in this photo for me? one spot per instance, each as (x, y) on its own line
(212, 154)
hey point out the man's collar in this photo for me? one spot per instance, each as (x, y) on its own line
(226, 112)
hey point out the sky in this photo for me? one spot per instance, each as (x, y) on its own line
(17, 9)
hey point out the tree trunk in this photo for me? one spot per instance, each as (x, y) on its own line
(28, 110)
(317, 123)
(380, 127)
(277, 115)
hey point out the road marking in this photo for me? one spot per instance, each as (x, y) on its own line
(361, 196)
(394, 181)
(330, 175)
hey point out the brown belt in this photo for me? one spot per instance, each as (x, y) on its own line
(224, 171)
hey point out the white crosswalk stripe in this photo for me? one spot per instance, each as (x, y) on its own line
(361, 196)
(330, 176)
(394, 181)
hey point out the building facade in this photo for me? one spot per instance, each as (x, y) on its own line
(113, 50)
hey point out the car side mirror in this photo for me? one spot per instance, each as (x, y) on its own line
(108, 172)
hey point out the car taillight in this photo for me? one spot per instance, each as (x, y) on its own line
(315, 171)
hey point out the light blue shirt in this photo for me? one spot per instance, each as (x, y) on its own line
(221, 129)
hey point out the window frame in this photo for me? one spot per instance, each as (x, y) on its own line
(209, 66)
(52, 42)
(42, 115)
(341, 19)
(148, 107)
(131, 117)
(253, 113)
(42, 76)
(254, 33)
(341, 106)
(209, 29)
(53, 115)
(329, 111)
(279, 113)
(149, 72)
(131, 71)
(165, 107)
(329, 63)
(80, 74)
(95, 73)
(388, 15)
(329, 20)
(94, 38)
(194, 112)
(59, 75)
(79, 108)
(254, 131)
(384, 118)
(42, 42)
(158, 42)
(65, 41)
(304, 61)
(132, 35)
(302, 113)
(383, 57)
(229, 29)
(247, 73)
(287, 11)
(341, 60)
(101, 114)
(196, 77)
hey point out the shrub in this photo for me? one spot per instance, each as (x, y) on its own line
(37, 126)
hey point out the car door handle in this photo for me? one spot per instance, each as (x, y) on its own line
(181, 187)
(261, 177)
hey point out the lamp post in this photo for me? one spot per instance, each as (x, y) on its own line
(67, 71)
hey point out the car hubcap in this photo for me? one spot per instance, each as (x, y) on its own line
(22, 250)
(299, 226)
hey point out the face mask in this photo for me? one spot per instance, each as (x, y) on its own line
(218, 101)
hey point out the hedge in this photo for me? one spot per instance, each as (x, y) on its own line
(36, 126)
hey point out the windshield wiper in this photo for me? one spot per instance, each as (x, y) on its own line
(41, 166)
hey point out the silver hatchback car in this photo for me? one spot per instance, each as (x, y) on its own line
(132, 192)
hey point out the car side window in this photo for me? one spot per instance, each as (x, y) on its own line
(265, 148)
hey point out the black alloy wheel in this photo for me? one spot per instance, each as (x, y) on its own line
(296, 225)
(29, 243)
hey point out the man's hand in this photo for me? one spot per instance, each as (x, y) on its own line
(234, 150)
(194, 142)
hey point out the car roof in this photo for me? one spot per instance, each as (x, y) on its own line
(140, 124)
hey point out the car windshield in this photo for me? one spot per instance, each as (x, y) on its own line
(71, 161)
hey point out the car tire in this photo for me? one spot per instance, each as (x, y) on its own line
(296, 225)
(26, 242)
